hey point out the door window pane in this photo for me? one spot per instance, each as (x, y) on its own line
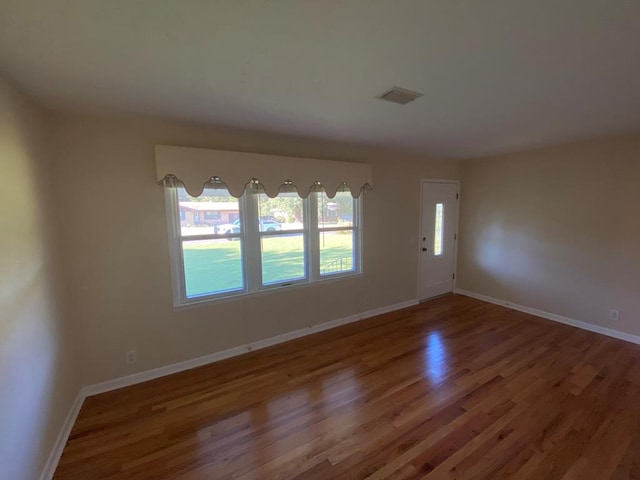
(215, 211)
(336, 252)
(285, 212)
(212, 266)
(336, 211)
(283, 258)
(439, 230)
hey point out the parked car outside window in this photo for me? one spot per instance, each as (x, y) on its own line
(267, 224)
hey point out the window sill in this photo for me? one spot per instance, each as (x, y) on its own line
(265, 291)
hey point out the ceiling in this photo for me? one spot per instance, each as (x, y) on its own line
(497, 75)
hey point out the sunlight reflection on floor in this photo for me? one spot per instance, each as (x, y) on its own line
(435, 358)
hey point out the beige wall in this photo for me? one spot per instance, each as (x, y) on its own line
(37, 381)
(556, 229)
(118, 256)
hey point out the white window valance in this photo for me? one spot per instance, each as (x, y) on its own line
(195, 167)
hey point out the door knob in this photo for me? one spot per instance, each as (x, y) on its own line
(424, 249)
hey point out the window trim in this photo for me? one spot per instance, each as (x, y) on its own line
(357, 238)
(250, 237)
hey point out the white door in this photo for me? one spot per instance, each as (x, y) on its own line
(439, 225)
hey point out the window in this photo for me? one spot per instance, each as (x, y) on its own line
(268, 243)
(212, 215)
(336, 234)
(211, 263)
(438, 235)
(282, 251)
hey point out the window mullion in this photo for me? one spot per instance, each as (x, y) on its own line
(357, 239)
(314, 240)
(253, 260)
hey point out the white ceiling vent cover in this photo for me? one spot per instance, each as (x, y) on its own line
(399, 95)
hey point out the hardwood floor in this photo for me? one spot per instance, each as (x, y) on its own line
(452, 389)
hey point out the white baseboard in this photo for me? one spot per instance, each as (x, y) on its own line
(65, 431)
(610, 332)
(56, 452)
(61, 440)
(235, 351)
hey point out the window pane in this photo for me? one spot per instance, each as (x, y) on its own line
(282, 258)
(336, 252)
(215, 211)
(439, 230)
(335, 212)
(285, 212)
(212, 266)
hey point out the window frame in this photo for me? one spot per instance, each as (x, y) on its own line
(256, 253)
(355, 228)
(250, 247)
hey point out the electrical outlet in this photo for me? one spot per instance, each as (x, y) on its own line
(614, 315)
(131, 357)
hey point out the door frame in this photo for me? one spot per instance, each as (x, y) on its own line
(423, 182)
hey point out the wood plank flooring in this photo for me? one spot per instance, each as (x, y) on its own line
(452, 389)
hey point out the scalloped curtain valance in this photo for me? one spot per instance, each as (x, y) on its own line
(195, 167)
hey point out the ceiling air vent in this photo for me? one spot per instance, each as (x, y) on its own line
(399, 95)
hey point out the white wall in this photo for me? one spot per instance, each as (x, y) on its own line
(557, 229)
(118, 264)
(37, 379)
